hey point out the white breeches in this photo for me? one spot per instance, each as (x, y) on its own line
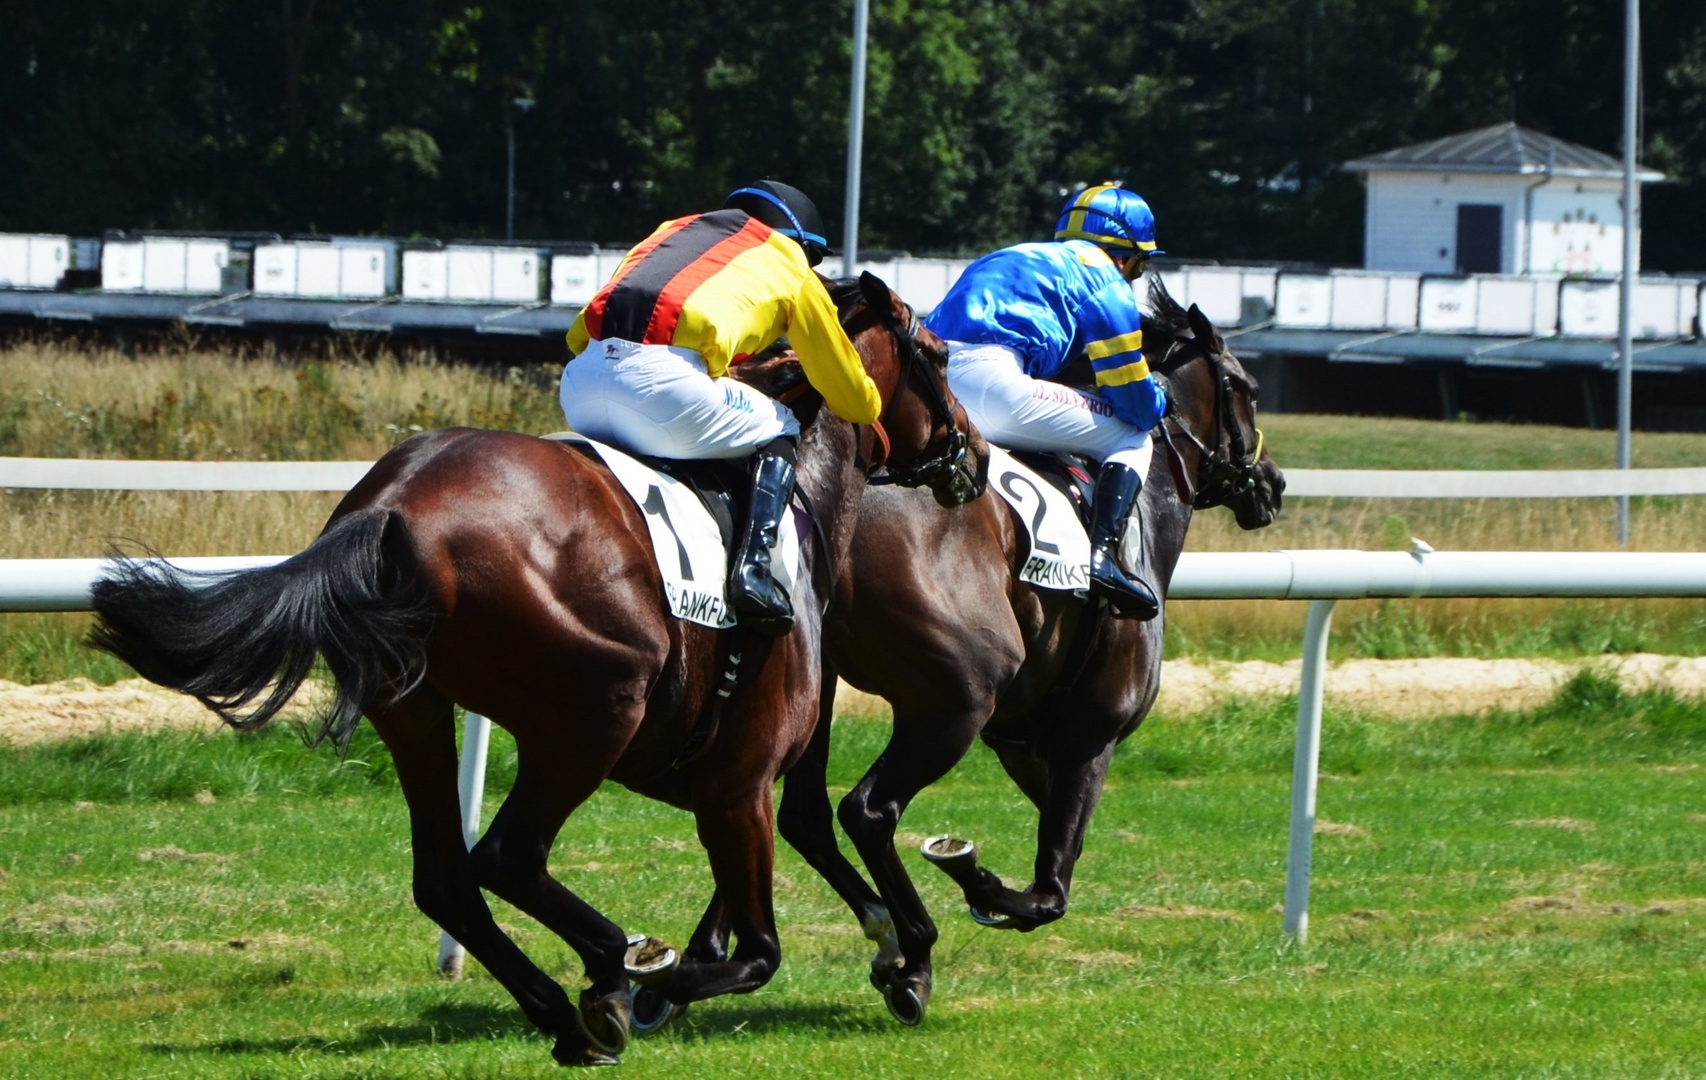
(658, 400)
(1016, 411)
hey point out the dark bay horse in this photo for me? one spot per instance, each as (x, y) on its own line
(516, 577)
(931, 615)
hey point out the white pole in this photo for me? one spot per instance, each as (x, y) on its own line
(855, 139)
(1306, 769)
(1626, 305)
(471, 785)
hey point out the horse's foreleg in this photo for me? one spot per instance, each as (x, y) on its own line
(1066, 784)
(420, 731)
(738, 839)
(807, 821)
(1076, 774)
(510, 860)
(652, 965)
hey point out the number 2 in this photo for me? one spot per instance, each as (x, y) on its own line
(1007, 482)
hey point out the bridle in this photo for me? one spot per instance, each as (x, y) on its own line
(1220, 478)
(952, 457)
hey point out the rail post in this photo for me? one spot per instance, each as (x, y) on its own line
(1306, 769)
(471, 785)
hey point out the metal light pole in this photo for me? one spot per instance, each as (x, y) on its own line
(522, 103)
(1626, 299)
(855, 137)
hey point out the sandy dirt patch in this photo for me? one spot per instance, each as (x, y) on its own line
(78, 709)
(1404, 688)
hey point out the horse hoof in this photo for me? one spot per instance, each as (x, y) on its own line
(994, 922)
(650, 962)
(606, 1021)
(950, 853)
(577, 1053)
(652, 1011)
(907, 1000)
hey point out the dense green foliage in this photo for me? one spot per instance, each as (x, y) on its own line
(1513, 896)
(381, 116)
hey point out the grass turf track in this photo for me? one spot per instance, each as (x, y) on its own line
(1514, 896)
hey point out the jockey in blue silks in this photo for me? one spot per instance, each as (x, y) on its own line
(1019, 317)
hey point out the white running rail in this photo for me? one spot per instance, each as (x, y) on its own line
(1323, 577)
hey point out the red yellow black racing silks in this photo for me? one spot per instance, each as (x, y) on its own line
(726, 285)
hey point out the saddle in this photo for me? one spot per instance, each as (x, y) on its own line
(724, 486)
(1074, 475)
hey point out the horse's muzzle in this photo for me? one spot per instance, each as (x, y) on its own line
(1259, 508)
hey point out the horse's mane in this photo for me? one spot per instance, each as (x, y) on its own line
(846, 294)
(1167, 319)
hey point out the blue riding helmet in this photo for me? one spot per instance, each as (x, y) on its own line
(1111, 217)
(785, 209)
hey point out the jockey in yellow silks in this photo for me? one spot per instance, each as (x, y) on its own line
(654, 347)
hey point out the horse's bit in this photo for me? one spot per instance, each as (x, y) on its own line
(1228, 477)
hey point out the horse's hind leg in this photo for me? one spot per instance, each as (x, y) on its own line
(420, 731)
(552, 779)
(921, 750)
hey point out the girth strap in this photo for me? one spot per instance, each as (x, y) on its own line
(740, 643)
(735, 645)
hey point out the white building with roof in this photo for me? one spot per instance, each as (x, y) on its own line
(1498, 200)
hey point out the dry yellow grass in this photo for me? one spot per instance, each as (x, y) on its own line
(192, 403)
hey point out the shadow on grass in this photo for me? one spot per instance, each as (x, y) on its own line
(453, 1023)
(715, 1019)
(458, 1023)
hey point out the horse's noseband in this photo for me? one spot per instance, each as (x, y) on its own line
(1234, 474)
(937, 469)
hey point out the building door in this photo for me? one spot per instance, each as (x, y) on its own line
(1480, 238)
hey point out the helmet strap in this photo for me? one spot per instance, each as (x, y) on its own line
(798, 232)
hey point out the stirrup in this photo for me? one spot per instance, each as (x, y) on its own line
(1127, 599)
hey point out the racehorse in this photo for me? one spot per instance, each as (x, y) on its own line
(930, 614)
(515, 576)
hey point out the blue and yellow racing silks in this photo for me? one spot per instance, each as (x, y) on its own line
(1053, 303)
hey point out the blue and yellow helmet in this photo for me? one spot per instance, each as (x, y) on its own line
(1111, 217)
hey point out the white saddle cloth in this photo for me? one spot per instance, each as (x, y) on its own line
(1060, 548)
(685, 539)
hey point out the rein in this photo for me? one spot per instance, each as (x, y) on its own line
(1228, 476)
(953, 455)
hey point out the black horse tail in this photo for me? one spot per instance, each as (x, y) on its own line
(353, 596)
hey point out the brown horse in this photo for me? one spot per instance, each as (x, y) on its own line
(516, 577)
(931, 615)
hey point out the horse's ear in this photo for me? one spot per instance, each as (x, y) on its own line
(1204, 330)
(875, 291)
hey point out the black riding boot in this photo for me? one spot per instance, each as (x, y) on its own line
(1129, 595)
(757, 597)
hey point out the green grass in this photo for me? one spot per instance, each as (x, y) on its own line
(1520, 895)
